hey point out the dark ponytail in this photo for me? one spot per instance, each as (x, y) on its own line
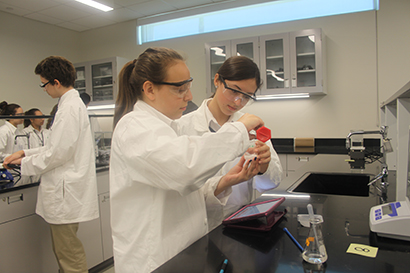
(151, 66)
(31, 112)
(8, 109)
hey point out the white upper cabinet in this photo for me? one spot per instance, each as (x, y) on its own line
(99, 79)
(290, 63)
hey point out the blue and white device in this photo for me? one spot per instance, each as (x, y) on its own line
(391, 220)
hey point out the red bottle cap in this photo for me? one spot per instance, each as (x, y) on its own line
(263, 134)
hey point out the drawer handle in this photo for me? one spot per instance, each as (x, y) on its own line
(303, 159)
(14, 199)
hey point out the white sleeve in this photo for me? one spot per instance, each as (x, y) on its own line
(166, 157)
(3, 144)
(61, 146)
(273, 175)
(215, 204)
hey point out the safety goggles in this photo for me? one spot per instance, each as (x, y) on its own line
(179, 88)
(236, 95)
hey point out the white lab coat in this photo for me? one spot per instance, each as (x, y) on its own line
(158, 202)
(8, 143)
(68, 188)
(197, 123)
(36, 139)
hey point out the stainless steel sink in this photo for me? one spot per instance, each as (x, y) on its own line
(351, 184)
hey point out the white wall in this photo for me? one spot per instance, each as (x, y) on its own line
(367, 61)
(393, 23)
(23, 44)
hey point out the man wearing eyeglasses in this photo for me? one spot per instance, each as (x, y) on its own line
(67, 193)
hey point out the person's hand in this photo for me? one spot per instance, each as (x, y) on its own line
(13, 159)
(242, 171)
(251, 122)
(263, 152)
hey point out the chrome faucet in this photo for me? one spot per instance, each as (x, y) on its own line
(386, 147)
(382, 132)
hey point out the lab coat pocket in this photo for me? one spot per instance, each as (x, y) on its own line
(73, 197)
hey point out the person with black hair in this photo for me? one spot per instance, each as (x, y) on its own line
(37, 136)
(8, 132)
(67, 194)
(236, 83)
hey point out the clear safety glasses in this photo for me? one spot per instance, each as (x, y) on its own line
(43, 85)
(179, 88)
(236, 95)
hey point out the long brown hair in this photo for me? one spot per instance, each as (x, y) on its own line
(151, 66)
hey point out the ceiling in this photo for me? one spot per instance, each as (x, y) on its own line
(79, 17)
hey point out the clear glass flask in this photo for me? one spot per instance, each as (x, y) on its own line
(315, 250)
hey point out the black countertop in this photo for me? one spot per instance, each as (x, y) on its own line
(346, 221)
(323, 146)
(26, 181)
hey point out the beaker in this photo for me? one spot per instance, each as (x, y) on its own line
(315, 250)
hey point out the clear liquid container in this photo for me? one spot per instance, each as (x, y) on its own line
(263, 134)
(250, 155)
(315, 250)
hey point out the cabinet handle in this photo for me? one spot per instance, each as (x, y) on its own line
(293, 82)
(106, 198)
(303, 159)
(14, 198)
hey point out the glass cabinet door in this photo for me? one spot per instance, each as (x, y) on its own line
(305, 61)
(216, 53)
(275, 64)
(306, 55)
(80, 83)
(246, 47)
(102, 82)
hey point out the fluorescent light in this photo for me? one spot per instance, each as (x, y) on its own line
(226, 16)
(96, 5)
(284, 96)
(101, 107)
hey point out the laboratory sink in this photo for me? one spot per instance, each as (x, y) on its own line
(351, 184)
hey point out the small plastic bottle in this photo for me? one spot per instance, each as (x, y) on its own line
(315, 250)
(263, 134)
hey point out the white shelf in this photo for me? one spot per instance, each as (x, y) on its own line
(395, 113)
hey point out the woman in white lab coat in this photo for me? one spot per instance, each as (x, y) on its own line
(236, 82)
(8, 132)
(158, 202)
(37, 136)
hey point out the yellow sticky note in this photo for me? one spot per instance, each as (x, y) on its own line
(363, 250)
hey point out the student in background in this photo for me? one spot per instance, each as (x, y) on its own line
(236, 83)
(8, 132)
(94, 124)
(33, 128)
(67, 194)
(158, 202)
